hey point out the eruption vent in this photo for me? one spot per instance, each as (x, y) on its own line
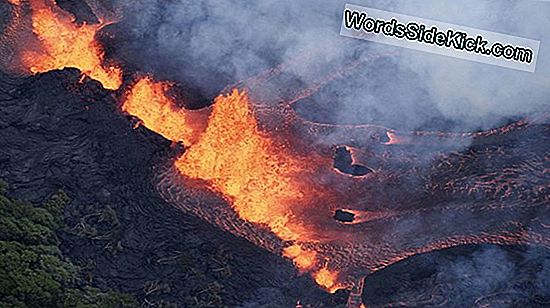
(259, 177)
(246, 166)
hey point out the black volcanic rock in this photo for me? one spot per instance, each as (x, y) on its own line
(58, 133)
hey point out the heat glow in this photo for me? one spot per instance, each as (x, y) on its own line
(327, 279)
(246, 166)
(259, 177)
(303, 259)
(66, 44)
(148, 100)
(270, 185)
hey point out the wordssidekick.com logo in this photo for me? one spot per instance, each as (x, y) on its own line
(415, 32)
(402, 30)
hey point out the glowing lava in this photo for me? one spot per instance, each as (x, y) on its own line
(66, 44)
(327, 279)
(148, 100)
(303, 259)
(246, 166)
(293, 194)
(259, 177)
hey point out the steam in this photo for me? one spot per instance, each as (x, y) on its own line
(211, 44)
(485, 276)
(475, 93)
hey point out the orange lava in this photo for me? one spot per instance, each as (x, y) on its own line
(259, 177)
(66, 44)
(256, 175)
(303, 259)
(15, 2)
(246, 166)
(327, 279)
(262, 179)
(148, 100)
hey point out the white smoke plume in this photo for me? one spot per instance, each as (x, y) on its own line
(213, 43)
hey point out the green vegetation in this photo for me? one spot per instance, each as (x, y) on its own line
(33, 273)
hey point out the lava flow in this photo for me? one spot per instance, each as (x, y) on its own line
(148, 100)
(63, 43)
(257, 175)
(295, 193)
(226, 148)
(246, 166)
(381, 197)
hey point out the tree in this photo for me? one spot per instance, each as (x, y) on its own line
(33, 272)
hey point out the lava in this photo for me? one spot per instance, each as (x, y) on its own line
(63, 43)
(246, 166)
(258, 176)
(149, 101)
(303, 259)
(306, 260)
(407, 195)
(262, 179)
(327, 279)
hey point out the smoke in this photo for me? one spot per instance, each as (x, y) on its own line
(496, 275)
(211, 44)
(477, 93)
(467, 276)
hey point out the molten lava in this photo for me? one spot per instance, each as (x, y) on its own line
(66, 44)
(258, 176)
(261, 178)
(327, 279)
(246, 166)
(148, 100)
(279, 184)
(303, 259)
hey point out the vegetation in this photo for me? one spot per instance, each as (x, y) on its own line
(33, 273)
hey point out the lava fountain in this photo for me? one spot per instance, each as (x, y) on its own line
(62, 43)
(258, 176)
